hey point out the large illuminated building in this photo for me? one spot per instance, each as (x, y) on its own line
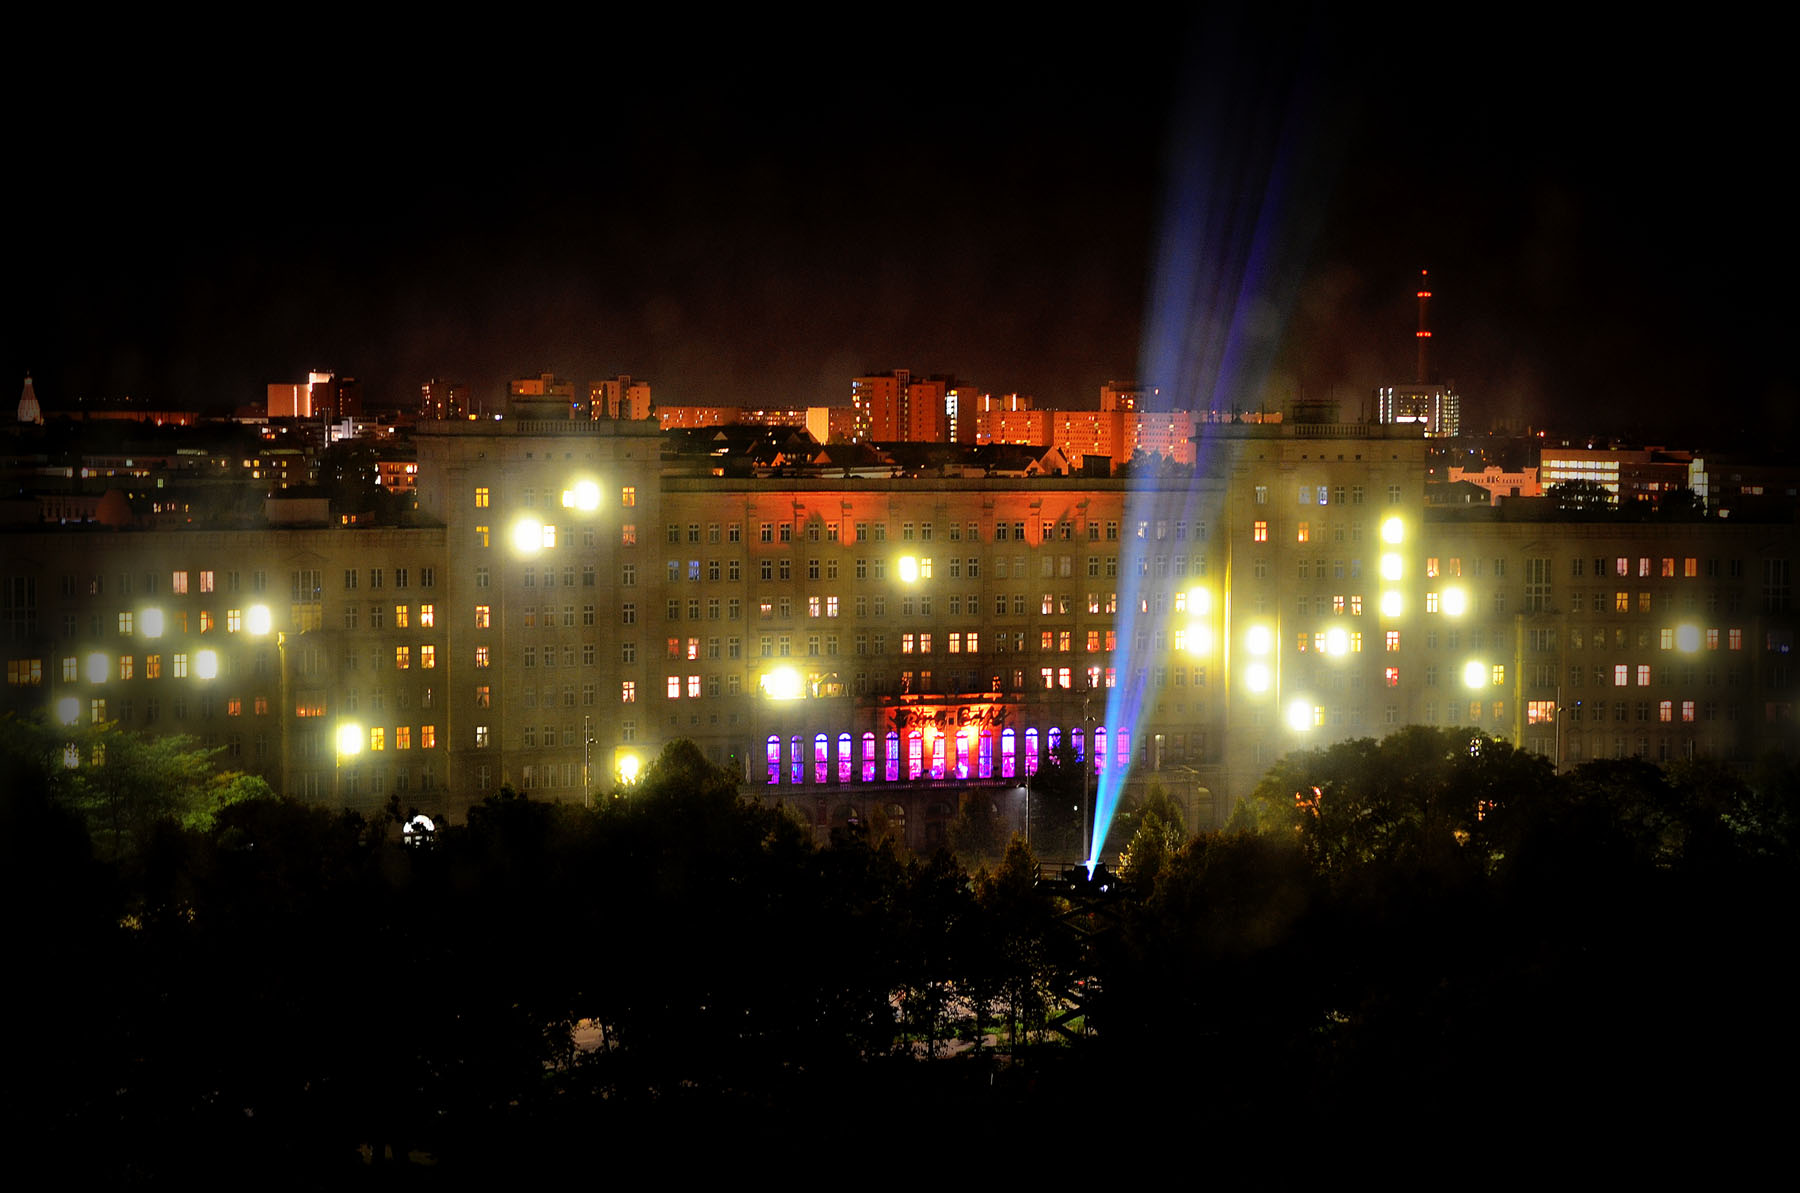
(579, 597)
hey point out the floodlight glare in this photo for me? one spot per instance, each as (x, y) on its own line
(528, 536)
(1392, 530)
(96, 667)
(1337, 641)
(1456, 602)
(1475, 674)
(152, 622)
(1259, 639)
(257, 621)
(1687, 638)
(782, 684)
(206, 664)
(68, 710)
(1256, 677)
(1391, 604)
(1199, 640)
(909, 569)
(1390, 566)
(1300, 715)
(584, 496)
(1199, 601)
(629, 766)
(349, 738)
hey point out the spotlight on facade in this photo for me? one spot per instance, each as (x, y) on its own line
(257, 619)
(784, 683)
(628, 766)
(1259, 639)
(152, 623)
(1198, 640)
(1256, 677)
(97, 666)
(1456, 602)
(206, 664)
(349, 739)
(1199, 601)
(1687, 638)
(1300, 716)
(68, 710)
(909, 569)
(1391, 567)
(1475, 674)
(528, 536)
(1391, 604)
(1337, 641)
(1393, 530)
(585, 496)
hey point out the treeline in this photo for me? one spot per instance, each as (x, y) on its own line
(1434, 929)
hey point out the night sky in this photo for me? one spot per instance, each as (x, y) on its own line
(760, 216)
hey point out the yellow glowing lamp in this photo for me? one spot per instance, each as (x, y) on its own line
(784, 683)
(1259, 639)
(1475, 674)
(257, 619)
(349, 739)
(1456, 602)
(1337, 642)
(909, 569)
(585, 496)
(1393, 530)
(1256, 677)
(1199, 640)
(152, 622)
(1300, 715)
(1391, 603)
(1199, 601)
(628, 765)
(1391, 566)
(528, 536)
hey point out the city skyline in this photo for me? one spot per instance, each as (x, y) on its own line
(769, 226)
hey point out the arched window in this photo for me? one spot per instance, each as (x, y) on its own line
(843, 758)
(797, 759)
(915, 754)
(962, 755)
(821, 758)
(1078, 742)
(773, 753)
(937, 756)
(868, 757)
(985, 759)
(1124, 747)
(1053, 741)
(1031, 752)
(1100, 750)
(1009, 768)
(891, 771)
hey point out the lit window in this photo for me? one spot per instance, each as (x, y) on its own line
(483, 617)
(427, 657)
(481, 736)
(427, 737)
(427, 617)
(400, 616)
(1643, 675)
(1393, 639)
(481, 497)
(402, 657)
(481, 656)
(674, 687)
(1260, 532)
(403, 737)
(1621, 675)
(628, 692)
(1303, 533)
(377, 739)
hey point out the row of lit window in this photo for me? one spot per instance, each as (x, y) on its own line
(403, 617)
(929, 753)
(378, 576)
(98, 667)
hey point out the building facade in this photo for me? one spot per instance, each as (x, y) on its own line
(852, 645)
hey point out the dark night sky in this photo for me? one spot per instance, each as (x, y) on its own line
(757, 218)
